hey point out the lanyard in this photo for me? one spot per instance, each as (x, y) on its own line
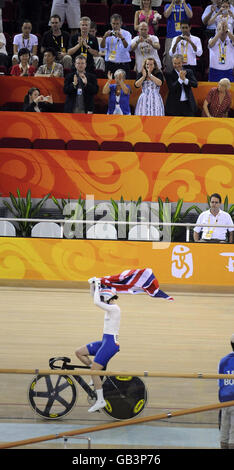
(175, 12)
(222, 52)
(184, 51)
(56, 42)
(27, 43)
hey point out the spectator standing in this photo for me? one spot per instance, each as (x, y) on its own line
(80, 88)
(85, 44)
(150, 102)
(137, 4)
(189, 46)
(4, 60)
(26, 40)
(180, 100)
(218, 101)
(119, 93)
(226, 393)
(145, 45)
(207, 15)
(221, 54)
(174, 12)
(50, 68)
(148, 15)
(117, 45)
(69, 10)
(23, 69)
(212, 217)
(225, 13)
(99, 61)
(58, 40)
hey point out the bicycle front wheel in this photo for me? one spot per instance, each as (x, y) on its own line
(126, 397)
(52, 396)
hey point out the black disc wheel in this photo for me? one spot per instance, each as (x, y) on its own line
(52, 396)
(126, 397)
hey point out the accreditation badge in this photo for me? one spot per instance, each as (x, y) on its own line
(177, 26)
(112, 55)
(208, 235)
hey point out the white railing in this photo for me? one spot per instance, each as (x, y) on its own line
(62, 222)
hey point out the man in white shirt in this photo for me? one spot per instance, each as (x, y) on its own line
(145, 45)
(28, 41)
(214, 216)
(207, 15)
(117, 44)
(190, 47)
(221, 48)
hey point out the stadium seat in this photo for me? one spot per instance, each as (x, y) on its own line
(7, 229)
(144, 232)
(82, 145)
(105, 231)
(183, 147)
(47, 230)
(150, 147)
(98, 11)
(58, 144)
(125, 11)
(217, 148)
(118, 146)
(15, 142)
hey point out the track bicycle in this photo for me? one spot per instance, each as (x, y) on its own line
(54, 396)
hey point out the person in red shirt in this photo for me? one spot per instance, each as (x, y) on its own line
(23, 69)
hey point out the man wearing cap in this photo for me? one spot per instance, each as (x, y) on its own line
(226, 393)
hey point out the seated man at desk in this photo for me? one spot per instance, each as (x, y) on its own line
(214, 216)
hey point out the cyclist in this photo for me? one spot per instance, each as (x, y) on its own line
(103, 350)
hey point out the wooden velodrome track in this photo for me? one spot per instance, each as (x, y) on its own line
(185, 336)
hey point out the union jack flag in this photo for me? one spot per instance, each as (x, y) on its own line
(135, 281)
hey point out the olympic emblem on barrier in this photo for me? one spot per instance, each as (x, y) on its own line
(181, 262)
(230, 265)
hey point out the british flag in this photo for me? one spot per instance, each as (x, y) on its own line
(135, 281)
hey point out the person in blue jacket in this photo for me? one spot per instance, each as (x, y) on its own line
(226, 393)
(119, 93)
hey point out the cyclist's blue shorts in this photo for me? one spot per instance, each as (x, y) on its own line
(103, 350)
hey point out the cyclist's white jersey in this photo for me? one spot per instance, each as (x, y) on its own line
(112, 314)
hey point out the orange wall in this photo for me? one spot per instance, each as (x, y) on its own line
(115, 174)
(102, 127)
(78, 260)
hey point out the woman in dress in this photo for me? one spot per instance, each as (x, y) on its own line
(148, 15)
(218, 101)
(119, 93)
(150, 102)
(23, 69)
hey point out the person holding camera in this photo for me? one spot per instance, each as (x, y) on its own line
(37, 103)
(189, 46)
(221, 54)
(150, 102)
(117, 45)
(225, 13)
(119, 93)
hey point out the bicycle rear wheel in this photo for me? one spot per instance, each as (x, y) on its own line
(126, 397)
(52, 396)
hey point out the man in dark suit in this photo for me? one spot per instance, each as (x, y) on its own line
(80, 88)
(180, 100)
